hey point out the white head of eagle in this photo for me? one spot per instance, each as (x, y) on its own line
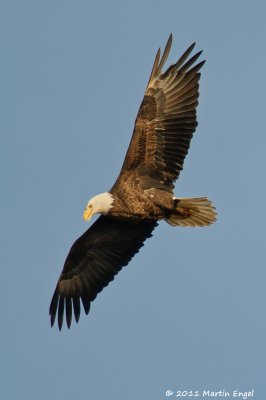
(101, 203)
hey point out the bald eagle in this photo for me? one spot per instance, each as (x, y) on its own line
(143, 192)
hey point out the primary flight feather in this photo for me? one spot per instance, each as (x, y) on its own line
(143, 192)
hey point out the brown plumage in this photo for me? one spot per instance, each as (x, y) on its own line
(143, 192)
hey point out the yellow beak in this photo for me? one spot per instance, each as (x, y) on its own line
(87, 214)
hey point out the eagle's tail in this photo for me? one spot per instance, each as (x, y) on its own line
(197, 211)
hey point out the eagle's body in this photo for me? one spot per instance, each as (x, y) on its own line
(142, 204)
(143, 192)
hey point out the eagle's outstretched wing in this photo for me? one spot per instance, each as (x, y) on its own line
(165, 122)
(93, 261)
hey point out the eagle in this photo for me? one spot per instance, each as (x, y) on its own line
(143, 192)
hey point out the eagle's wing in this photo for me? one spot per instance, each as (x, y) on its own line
(93, 261)
(165, 122)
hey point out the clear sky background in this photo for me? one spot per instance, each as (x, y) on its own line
(189, 312)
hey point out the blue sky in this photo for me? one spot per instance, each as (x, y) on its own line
(188, 313)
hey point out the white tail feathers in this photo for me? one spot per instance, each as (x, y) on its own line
(197, 211)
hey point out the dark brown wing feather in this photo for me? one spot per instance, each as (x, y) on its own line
(93, 261)
(165, 122)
